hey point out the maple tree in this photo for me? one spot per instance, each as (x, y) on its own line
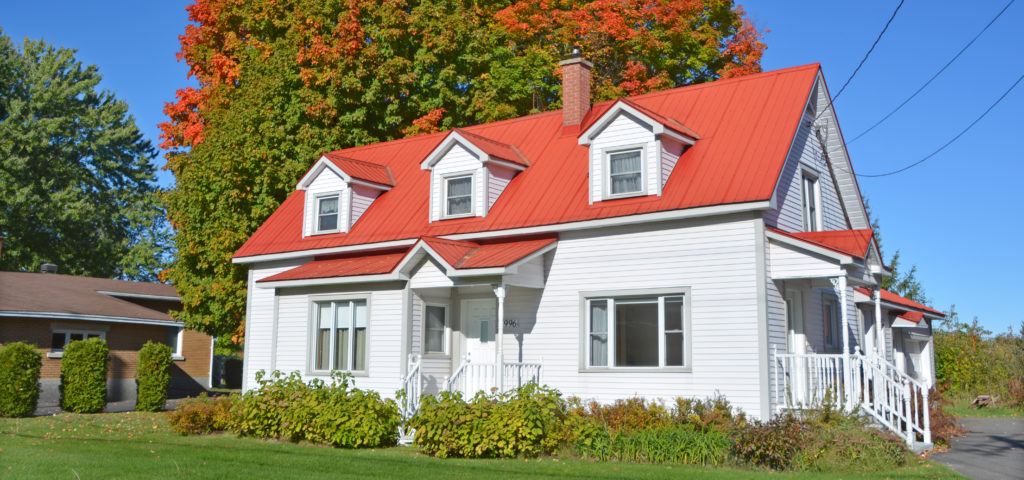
(282, 81)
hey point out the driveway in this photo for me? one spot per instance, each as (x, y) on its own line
(992, 449)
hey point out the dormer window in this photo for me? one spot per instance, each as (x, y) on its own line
(327, 213)
(626, 173)
(458, 196)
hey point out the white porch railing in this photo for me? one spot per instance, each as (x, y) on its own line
(517, 374)
(470, 377)
(870, 383)
(412, 386)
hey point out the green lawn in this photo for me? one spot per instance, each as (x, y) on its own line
(961, 407)
(140, 445)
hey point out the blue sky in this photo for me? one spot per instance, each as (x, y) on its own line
(958, 216)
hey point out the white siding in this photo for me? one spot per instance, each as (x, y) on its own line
(814, 318)
(497, 180)
(326, 182)
(428, 275)
(624, 131)
(260, 321)
(806, 155)
(788, 262)
(670, 151)
(455, 161)
(362, 197)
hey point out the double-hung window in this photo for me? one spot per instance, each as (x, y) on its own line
(458, 196)
(832, 324)
(61, 338)
(435, 329)
(625, 173)
(637, 331)
(327, 213)
(340, 339)
(811, 203)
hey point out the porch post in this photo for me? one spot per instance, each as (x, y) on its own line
(878, 323)
(847, 370)
(499, 363)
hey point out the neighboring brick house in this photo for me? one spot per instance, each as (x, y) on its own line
(51, 310)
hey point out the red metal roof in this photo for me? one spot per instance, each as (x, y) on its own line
(363, 170)
(343, 266)
(746, 125)
(912, 316)
(893, 298)
(467, 255)
(494, 148)
(670, 123)
(850, 242)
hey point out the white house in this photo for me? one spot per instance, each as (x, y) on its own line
(706, 240)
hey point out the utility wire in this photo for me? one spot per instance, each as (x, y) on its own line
(936, 75)
(954, 139)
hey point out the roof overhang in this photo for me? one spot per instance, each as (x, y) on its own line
(326, 164)
(455, 138)
(621, 107)
(89, 318)
(843, 259)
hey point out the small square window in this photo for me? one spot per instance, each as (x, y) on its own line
(458, 196)
(625, 173)
(327, 213)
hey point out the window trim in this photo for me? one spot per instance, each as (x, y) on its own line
(67, 338)
(472, 194)
(311, 369)
(584, 332)
(805, 214)
(606, 180)
(316, 212)
(447, 340)
(177, 354)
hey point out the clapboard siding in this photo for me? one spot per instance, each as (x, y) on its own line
(671, 149)
(497, 180)
(785, 261)
(457, 160)
(327, 182)
(624, 131)
(814, 318)
(260, 321)
(362, 197)
(429, 274)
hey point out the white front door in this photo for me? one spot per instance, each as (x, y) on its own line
(479, 326)
(796, 343)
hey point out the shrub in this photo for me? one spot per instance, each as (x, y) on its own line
(83, 376)
(631, 414)
(849, 444)
(285, 407)
(771, 444)
(202, 415)
(673, 444)
(153, 376)
(524, 422)
(944, 425)
(709, 414)
(19, 379)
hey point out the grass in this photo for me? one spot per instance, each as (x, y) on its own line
(961, 407)
(141, 445)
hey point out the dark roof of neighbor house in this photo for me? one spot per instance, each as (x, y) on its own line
(745, 128)
(69, 296)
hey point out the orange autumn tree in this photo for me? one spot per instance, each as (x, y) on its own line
(281, 81)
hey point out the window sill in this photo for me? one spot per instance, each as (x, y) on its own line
(620, 196)
(327, 374)
(456, 217)
(325, 232)
(54, 354)
(636, 370)
(177, 358)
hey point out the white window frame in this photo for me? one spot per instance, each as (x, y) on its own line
(586, 298)
(179, 341)
(811, 222)
(446, 341)
(316, 213)
(59, 353)
(831, 323)
(607, 167)
(472, 194)
(314, 322)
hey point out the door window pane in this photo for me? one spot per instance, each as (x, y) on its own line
(599, 333)
(435, 329)
(636, 332)
(625, 172)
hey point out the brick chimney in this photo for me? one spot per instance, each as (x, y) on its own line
(575, 88)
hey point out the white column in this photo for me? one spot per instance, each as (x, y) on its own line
(847, 371)
(878, 323)
(499, 362)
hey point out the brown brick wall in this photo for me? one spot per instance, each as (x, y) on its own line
(124, 340)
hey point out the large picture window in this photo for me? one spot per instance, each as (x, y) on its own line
(340, 342)
(625, 173)
(636, 331)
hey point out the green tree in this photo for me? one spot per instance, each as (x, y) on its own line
(76, 179)
(280, 82)
(902, 282)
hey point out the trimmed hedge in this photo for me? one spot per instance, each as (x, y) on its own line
(83, 376)
(19, 379)
(153, 376)
(203, 414)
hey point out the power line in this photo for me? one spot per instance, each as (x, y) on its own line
(868, 53)
(954, 139)
(936, 75)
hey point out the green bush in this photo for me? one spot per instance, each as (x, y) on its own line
(153, 376)
(848, 445)
(683, 444)
(83, 376)
(772, 444)
(524, 422)
(285, 407)
(19, 379)
(203, 414)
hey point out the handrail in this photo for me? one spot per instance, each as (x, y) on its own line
(412, 384)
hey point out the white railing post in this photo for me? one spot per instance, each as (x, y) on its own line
(907, 414)
(925, 414)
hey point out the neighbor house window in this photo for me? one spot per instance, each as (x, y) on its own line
(61, 338)
(175, 339)
(636, 331)
(832, 324)
(340, 335)
(458, 196)
(625, 172)
(812, 204)
(435, 328)
(327, 213)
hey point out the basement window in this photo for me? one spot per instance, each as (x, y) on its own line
(61, 338)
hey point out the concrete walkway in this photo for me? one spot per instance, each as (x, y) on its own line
(992, 449)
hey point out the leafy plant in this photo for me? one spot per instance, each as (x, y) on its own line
(684, 444)
(203, 414)
(848, 444)
(772, 444)
(19, 379)
(83, 376)
(153, 376)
